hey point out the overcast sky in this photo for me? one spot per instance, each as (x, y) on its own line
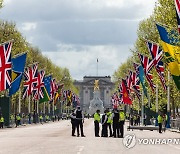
(74, 33)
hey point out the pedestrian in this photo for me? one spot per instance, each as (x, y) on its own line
(104, 120)
(138, 120)
(29, 118)
(109, 122)
(41, 119)
(18, 120)
(160, 121)
(79, 120)
(1, 121)
(121, 122)
(166, 120)
(58, 117)
(115, 117)
(96, 123)
(73, 122)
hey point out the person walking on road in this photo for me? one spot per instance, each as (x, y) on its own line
(73, 122)
(160, 121)
(121, 122)
(1, 121)
(79, 120)
(104, 120)
(96, 123)
(109, 122)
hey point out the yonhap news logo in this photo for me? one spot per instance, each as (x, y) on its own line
(129, 141)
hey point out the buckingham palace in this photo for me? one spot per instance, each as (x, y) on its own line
(86, 89)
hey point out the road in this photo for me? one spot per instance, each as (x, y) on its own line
(55, 138)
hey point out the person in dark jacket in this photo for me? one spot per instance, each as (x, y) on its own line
(104, 120)
(73, 122)
(79, 120)
(115, 117)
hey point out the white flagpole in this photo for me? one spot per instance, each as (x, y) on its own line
(53, 107)
(19, 108)
(156, 104)
(142, 108)
(168, 101)
(97, 66)
(49, 108)
(29, 104)
(37, 106)
(44, 107)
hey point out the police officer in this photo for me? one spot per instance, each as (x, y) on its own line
(41, 119)
(18, 120)
(160, 121)
(1, 121)
(121, 122)
(115, 117)
(96, 123)
(79, 120)
(73, 122)
(104, 120)
(109, 122)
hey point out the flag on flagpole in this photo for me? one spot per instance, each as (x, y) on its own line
(147, 65)
(169, 42)
(59, 92)
(136, 87)
(140, 73)
(177, 5)
(38, 88)
(5, 66)
(30, 79)
(53, 89)
(46, 89)
(156, 54)
(69, 97)
(125, 98)
(18, 64)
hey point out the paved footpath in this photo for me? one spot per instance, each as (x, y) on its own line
(55, 138)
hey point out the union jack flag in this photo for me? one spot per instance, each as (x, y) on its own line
(120, 94)
(136, 67)
(147, 65)
(177, 5)
(115, 100)
(5, 65)
(136, 85)
(30, 80)
(129, 82)
(156, 54)
(38, 89)
(54, 88)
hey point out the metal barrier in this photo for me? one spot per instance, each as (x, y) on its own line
(175, 124)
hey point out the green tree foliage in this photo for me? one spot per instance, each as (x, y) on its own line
(8, 31)
(164, 13)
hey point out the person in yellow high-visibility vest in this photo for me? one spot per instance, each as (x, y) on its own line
(96, 123)
(41, 119)
(110, 121)
(121, 122)
(160, 121)
(1, 121)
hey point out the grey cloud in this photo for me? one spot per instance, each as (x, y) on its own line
(48, 34)
(33, 10)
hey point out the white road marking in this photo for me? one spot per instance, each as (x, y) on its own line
(80, 149)
(174, 146)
